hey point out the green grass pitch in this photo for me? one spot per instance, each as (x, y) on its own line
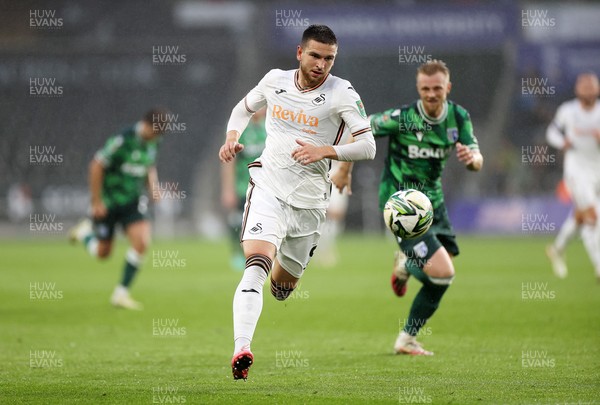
(507, 331)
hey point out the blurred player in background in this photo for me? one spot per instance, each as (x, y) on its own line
(576, 130)
(334, 224)
(119, 174)
(288, 193)
(422, 135)
(234, 182)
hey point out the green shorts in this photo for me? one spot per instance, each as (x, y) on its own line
(439, 235)
(104, 228)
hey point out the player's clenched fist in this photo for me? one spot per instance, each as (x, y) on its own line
(231, 147)
(464, 154)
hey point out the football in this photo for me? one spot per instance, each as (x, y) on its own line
(408, 213)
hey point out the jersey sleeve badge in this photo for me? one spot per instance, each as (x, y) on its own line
(361, 108)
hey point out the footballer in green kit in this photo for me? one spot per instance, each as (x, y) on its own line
(422, 136)
(119, 175)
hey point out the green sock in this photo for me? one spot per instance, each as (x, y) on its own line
(128, 274)
(132, 263)
(426, 302)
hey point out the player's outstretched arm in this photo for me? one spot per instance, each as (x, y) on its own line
(96, 177)
(472, 159)
(152, 183)
(342, 177)
(229, 199)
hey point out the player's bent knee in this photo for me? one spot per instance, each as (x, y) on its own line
(281, 291)
(141, 248)
(104, 251)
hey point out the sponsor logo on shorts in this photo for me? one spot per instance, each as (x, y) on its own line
(421, 249)
(102, 230)
(256, 229)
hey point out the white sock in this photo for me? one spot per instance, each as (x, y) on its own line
(92, 247)
(248, 300)
(568, 231)
(591, 240)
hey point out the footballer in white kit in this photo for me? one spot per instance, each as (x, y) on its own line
(576, 130)
(308, 110)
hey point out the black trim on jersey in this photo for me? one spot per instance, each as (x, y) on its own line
(362, 131)
(248, 108)
(340, 132)
(254, 164)
(248, 202)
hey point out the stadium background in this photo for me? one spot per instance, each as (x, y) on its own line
(512, 63)
(72, 73)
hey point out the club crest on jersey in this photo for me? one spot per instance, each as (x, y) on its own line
(320, 100)
(298, 117)
(419, 135)
(280, 91)
(256, 229)
(420, 249)
(452, 134)
(136, 155)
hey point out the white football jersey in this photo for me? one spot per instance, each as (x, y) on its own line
(577, 126)
(317, 115)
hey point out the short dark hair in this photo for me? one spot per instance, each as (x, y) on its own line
(157, 116)
(319, 33)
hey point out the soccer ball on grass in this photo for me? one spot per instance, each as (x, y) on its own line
(408, 213)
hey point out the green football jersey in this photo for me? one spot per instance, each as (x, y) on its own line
(419, 147)
(126, 158)
(253, 139)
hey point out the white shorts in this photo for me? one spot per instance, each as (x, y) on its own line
(295, 232)
(583, 182)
